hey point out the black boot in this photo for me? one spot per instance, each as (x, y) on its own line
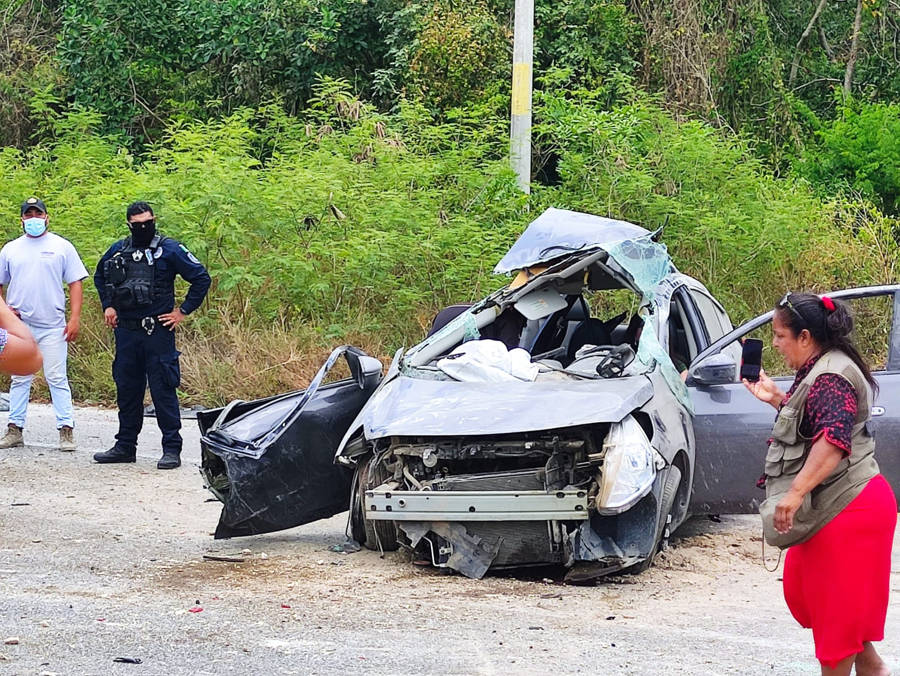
(169, 460)
(115, 454)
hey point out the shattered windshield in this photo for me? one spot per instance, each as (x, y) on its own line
(648, 264)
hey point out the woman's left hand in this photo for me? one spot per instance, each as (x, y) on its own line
(785, 510)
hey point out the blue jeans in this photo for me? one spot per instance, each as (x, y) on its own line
(54, 349)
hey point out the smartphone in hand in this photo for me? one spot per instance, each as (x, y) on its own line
(751, 359)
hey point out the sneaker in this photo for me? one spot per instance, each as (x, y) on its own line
(12, 438)
(66, 438)
(115, 454)
(169, 460)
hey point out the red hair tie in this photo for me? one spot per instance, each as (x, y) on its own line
(828, 303)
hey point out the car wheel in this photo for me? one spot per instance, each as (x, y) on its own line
(667, 502)
(377, 535)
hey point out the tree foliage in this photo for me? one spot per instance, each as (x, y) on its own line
(142, 61)
(859, 151)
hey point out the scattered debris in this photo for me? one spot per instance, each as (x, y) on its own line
(12, 640)
(349, 547)
(610, 617)
(264, 556)
(195, 609)
(224, 557)
(20, 504)
(128, 660)
(285, 605)
(536, 628)
(552, 595)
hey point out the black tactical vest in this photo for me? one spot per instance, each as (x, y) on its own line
(131, 275)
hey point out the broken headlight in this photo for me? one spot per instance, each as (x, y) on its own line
(629, 467)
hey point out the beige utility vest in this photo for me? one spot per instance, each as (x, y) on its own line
(789, 449)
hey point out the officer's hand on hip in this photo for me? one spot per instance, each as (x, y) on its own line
(72, 328)
(111, 317)
(172, 319)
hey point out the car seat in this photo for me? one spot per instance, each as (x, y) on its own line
(591, 331)
(553, 331)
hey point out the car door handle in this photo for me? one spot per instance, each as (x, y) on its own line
(877, 410)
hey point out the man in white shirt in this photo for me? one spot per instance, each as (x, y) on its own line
(33, 268)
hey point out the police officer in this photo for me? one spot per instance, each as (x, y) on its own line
(136, 283)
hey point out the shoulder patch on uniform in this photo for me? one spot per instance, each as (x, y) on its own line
(191, 257)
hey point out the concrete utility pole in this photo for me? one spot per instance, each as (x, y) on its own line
(520, 118)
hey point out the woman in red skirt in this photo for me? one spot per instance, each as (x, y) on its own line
(837, 581)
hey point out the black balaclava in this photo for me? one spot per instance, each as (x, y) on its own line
(142, 233)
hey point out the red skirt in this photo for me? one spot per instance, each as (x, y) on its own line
(837, 582)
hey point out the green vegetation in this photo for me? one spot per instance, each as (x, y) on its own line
(340, 165)
(859, 151)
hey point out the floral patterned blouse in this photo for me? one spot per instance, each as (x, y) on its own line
(830, 407)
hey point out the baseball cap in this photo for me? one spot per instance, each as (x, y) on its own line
(32, 203)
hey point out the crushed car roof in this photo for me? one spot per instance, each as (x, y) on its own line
(560, 232)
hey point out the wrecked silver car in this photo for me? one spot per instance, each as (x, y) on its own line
(548, 424)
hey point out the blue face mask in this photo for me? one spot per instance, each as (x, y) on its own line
(35, 226)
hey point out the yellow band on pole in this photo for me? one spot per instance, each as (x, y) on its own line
(521, 89)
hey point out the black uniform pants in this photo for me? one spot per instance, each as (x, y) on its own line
(141, 359)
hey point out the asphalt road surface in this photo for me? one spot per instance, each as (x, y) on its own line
(106, 562)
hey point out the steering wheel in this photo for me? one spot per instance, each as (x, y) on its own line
(615, 361)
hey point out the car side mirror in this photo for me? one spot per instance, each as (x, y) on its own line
(365, 370)
(370, 372)
(717, 369)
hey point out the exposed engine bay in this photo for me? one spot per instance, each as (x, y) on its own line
(473, 503)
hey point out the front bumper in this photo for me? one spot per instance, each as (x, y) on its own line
(385, 504)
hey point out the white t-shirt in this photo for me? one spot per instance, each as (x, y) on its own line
(33, 271)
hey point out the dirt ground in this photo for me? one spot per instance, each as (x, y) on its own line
(105, 562)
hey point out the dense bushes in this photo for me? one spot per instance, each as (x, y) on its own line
(350, 225)
(859, 151)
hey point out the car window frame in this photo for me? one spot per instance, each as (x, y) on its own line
(689, 311)
(893, 360)
(718, 313)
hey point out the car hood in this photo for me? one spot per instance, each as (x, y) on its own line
(560, 232)
(408, 406)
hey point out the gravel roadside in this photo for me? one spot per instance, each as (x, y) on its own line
(104, 562)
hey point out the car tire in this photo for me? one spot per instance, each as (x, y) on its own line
(667, 502)
(376, 535)
(357, 518)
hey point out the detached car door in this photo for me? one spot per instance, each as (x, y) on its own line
(731, 427)
(271, 461)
